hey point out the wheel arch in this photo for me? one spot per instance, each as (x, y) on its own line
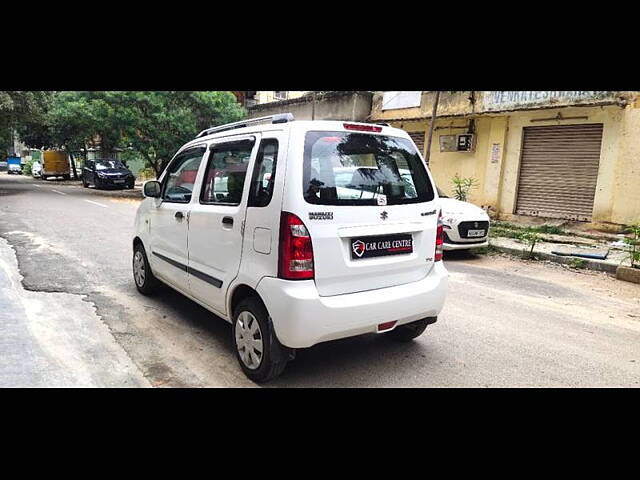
(137, 241)
(239, 293)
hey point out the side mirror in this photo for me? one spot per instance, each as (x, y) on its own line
(151, 189)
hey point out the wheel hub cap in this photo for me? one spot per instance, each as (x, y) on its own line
(138, 269)
(249, 340)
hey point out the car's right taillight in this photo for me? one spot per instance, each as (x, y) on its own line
(439, 239)
(296, 250)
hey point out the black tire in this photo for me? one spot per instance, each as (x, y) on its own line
(84, 182)
(274, 355)
(409, 331)
(66, 177)
(149, 284)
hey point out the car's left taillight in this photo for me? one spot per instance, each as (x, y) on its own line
(437, 257)
(296, 250)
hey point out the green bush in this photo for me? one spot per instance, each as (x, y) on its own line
(530, 237)
(634, 244)
(462, 186)
(26, 170)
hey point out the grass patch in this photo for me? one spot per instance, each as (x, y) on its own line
(488, 250)
(578, 263)
(509, 230)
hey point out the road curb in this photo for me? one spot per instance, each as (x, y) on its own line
(587, 265)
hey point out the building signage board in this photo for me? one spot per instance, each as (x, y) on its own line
(504, 100)
(393, 100)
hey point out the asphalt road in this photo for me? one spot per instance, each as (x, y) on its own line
(71, 315)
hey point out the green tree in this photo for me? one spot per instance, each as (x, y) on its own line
(70, 122)
(152, 124)
(156, 124)
(17, 108)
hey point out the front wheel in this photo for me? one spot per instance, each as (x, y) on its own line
(259, 352)
(146, 282)
(406, 333)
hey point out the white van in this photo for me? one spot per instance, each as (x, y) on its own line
(296, 232)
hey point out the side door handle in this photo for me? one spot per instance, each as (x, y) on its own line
(179, 215)
(227, 221)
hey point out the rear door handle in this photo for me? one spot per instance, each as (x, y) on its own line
(227, 221)
(179, 215)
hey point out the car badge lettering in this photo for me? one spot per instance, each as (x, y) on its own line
(320, 215)
(426, 214)
(384, 215)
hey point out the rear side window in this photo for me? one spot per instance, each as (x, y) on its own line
(264, 174)
(226, 172)
(342, 168)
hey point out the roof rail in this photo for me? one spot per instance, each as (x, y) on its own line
(277, 118)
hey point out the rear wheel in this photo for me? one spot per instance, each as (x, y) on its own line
(84, 182)
(146, 282)
(406, 333)
(259, 352)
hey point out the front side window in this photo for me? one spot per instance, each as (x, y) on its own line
(226, 172)
(181, 176)
(342, 168)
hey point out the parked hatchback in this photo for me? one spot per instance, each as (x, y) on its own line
(296, 232)
(106, 173)
(465, 224)
(36, 169)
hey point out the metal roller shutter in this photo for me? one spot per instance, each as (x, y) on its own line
(559, 170)
(418, 139)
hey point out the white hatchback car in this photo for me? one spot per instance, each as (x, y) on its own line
(465, 225)
(296, 232)
(36, 169)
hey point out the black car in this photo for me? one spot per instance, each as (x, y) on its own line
(105, 173)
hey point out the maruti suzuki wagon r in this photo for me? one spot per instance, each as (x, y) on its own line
(296, 232)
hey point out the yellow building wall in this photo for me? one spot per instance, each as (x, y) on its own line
(617, 197)
(445, 165)
(610, 117)
(626, 194)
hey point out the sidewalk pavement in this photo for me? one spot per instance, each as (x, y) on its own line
(573, 238)
(542, 251)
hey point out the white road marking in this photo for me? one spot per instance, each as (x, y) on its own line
(61, 193)
(96, 203)
(36, 185)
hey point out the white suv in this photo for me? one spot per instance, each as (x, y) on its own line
(296, 232)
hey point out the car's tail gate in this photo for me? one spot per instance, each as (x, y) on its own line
(368, 206)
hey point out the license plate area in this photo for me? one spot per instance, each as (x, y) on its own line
(380, 246)
(476, 233)
(118, 181)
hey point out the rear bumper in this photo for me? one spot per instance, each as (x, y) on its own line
(301, 318)
(464, 246)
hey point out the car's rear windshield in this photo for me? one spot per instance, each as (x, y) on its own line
(343, 168)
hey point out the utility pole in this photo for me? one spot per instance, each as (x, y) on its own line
(434, 112)
(313, 106)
